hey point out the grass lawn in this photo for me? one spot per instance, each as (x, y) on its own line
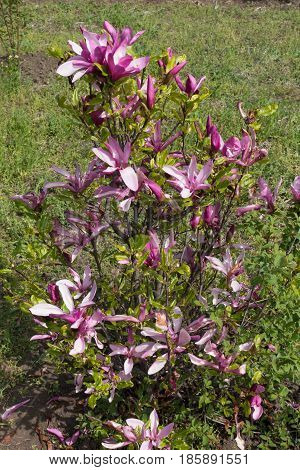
(248, 52)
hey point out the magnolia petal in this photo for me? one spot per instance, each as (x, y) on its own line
(68, 68)
(66, 296)
(79, 346)
(246, 346)
(40, 337)
(76, 48)
(130, 178)
(165, 431)
(184, 338)
(128, 365)
(44, 310)
(158, 365)
(146, 445)
(154, 421)
(257, 412)
(57, 433)
(135, 423)
(72, 439)
(13, 408)
(111, 444)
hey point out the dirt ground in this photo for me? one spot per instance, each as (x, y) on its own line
(27, 427)
(38, 67)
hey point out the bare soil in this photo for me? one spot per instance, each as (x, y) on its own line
(38, 67)
(27, 427)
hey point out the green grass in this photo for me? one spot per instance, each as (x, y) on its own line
(246, 52)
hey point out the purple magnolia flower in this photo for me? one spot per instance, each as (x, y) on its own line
(195, 221)
(267, 195)
(191, 86)
(78, 182)
(79, 286)
(82, 232)
(211, 215)
(120, 64)
(108, 50)
(64, 239)
(91, 225)
(295, 189)
(171, 332)
(246, 148)
(76, 316)
(137, 432)
(117, 160)
(32, 200)
(9, 411)
(250, 153)
(142, 351)
(190, 180)
(228, 267)
(156, 143)
(221, 363)
(257, 409)
(241, 297)
(170, 65)
(91, 50)
(85, 326)
(44, 309)
(153, 247)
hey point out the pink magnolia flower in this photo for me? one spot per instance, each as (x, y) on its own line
(117, 160)
(211, 215)
(91, 50)
(256, 405)
(77, 317)
(170, 65)
(190, 180)
(154, 436)
(156, 143)
(295, 189)
(65, 239)
(107, 50)
(191, 86)
(195, 221)
(228, 267)
(246, 148)
(137, 432)
(32, 200)
(78, 286)
(85, 326)
(220, 362)
(170, 332)
(78, 182)
(43, 309)
(267, 195)
(120, 64)
(142, 351)
(153, 247)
